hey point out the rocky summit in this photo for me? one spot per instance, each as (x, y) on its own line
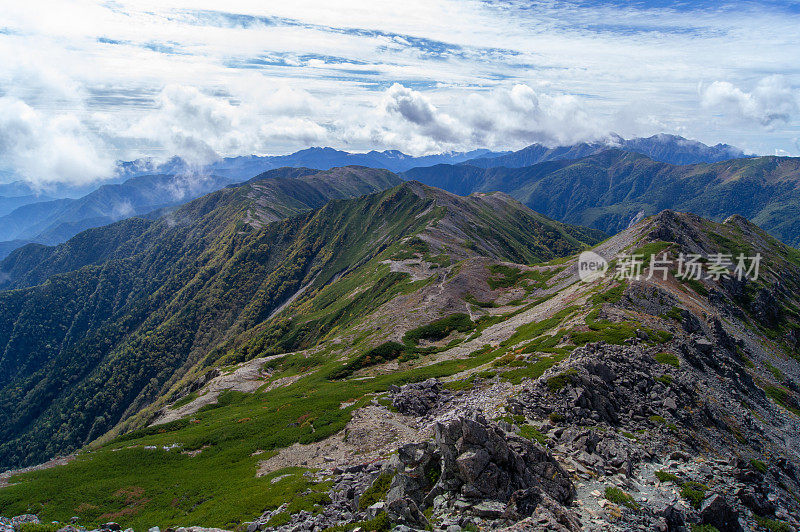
(341, 351)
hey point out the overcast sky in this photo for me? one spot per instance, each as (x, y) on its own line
(84, 83)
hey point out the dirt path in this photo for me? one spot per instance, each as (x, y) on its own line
(246, 377)
(372, 434)
(6, 475)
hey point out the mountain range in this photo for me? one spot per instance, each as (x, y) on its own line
(136, 291)
(143, 185)
(664, 148)
(613, 189)
(344, 349)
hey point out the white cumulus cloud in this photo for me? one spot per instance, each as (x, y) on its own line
(772, 100)
(47, 148)
(200, 127)
(518, 115)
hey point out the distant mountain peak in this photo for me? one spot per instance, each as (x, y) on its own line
(662, 147)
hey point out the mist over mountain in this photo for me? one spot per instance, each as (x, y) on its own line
(142, 186)
(54, 221)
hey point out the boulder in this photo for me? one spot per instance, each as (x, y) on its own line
(482, 461)
(756, 501)
(674, 518)
(417, 398)
(406, 512)
(718, 513)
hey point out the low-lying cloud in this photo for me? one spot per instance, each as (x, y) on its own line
(408, 120)
(50, 148)
(771, 101)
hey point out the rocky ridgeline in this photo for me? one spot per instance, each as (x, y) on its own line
(692, 457)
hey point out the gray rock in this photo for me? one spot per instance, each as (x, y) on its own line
(756, 501)
(376, 509)
(19, 520)
(674, 518)
(406, 512)
(489, 509)
(716, 511)
(418, 398)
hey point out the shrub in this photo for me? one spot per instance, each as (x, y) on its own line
(694, 492)
(377, 355)
(664, 476)
(667, 358)
(704, 528)
(618, 496)
(773, 525)
(439, 329)
(377, 491)
(665, 379)
(528, 431)
(38, 527)
(557, 382)
(758, 465)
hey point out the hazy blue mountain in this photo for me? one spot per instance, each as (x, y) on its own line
(664, 148)
(55, 221)
(143, 185)
(8, 204)
(243, 167)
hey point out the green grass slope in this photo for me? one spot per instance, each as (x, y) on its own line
(89, 348)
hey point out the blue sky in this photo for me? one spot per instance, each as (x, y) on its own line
(86, 83)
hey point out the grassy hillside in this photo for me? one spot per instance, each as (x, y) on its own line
(201, 284)
(270, 196)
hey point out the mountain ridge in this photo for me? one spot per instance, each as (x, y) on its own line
(140, 312)
(142, 186)
(608, 190)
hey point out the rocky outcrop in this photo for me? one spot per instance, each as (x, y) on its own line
(475, 468)
(605, 384)
(418, 398)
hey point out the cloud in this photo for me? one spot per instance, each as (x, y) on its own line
(518, 115)
(771, 101)
(416, 110)
(200, 128)
(129, 79)
(49, 148)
